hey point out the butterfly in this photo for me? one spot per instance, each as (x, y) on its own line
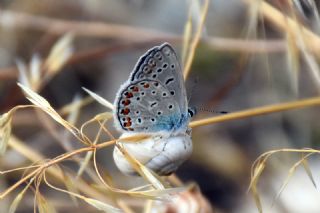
(153, 101)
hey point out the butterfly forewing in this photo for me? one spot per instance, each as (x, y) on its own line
(147, 106)
(161, 64)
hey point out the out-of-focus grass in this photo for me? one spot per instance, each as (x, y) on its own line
(91, 182)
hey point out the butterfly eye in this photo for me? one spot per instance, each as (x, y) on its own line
(191, 112)
(164, 94)
(172, 92)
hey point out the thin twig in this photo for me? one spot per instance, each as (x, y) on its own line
(196, 40)
(258, 111)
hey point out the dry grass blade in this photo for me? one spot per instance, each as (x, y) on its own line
(88, 156)
(291, 172)
(308, 170)
(281, 22)
(293, 61)
(256, 197)
(5, 131)
(256, 173)
(196, 39)
(35, 71)
(259, 165)
(45, 106)
(312, 63)
(253, 18)
(23, 73)
(5, 127)
(93, 202)
(19, 169)
(186, 36)
(30, 77)
(84, 163)
(101, 206)
(152, 194)
(99, 99)
(100, 117)
(14, 205)
(70, 184)
(43, 205)
(254, 181)
(59, 54)
(67, 109)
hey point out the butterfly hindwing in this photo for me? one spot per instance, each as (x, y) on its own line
(147, 106)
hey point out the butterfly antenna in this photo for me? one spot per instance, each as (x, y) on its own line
(211, 110)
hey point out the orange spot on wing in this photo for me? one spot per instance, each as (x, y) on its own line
(127, 124)
(125, 111)
(135, 89)
(128, 94)
(126, 102)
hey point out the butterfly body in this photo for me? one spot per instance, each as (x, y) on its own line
(153, 102)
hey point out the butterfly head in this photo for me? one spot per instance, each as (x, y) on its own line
(192, 111)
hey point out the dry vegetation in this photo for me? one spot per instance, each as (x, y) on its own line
(56, 151)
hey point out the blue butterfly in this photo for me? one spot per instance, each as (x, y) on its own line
(153, 101)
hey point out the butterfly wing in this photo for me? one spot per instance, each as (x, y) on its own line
(161, 64)
(147, 106)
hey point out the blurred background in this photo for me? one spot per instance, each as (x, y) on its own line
(244, 60)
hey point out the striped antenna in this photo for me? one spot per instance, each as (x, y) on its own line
(211, 110)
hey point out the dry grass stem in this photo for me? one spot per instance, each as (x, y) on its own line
(195, 40)
(258, 111)
(281, 22)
